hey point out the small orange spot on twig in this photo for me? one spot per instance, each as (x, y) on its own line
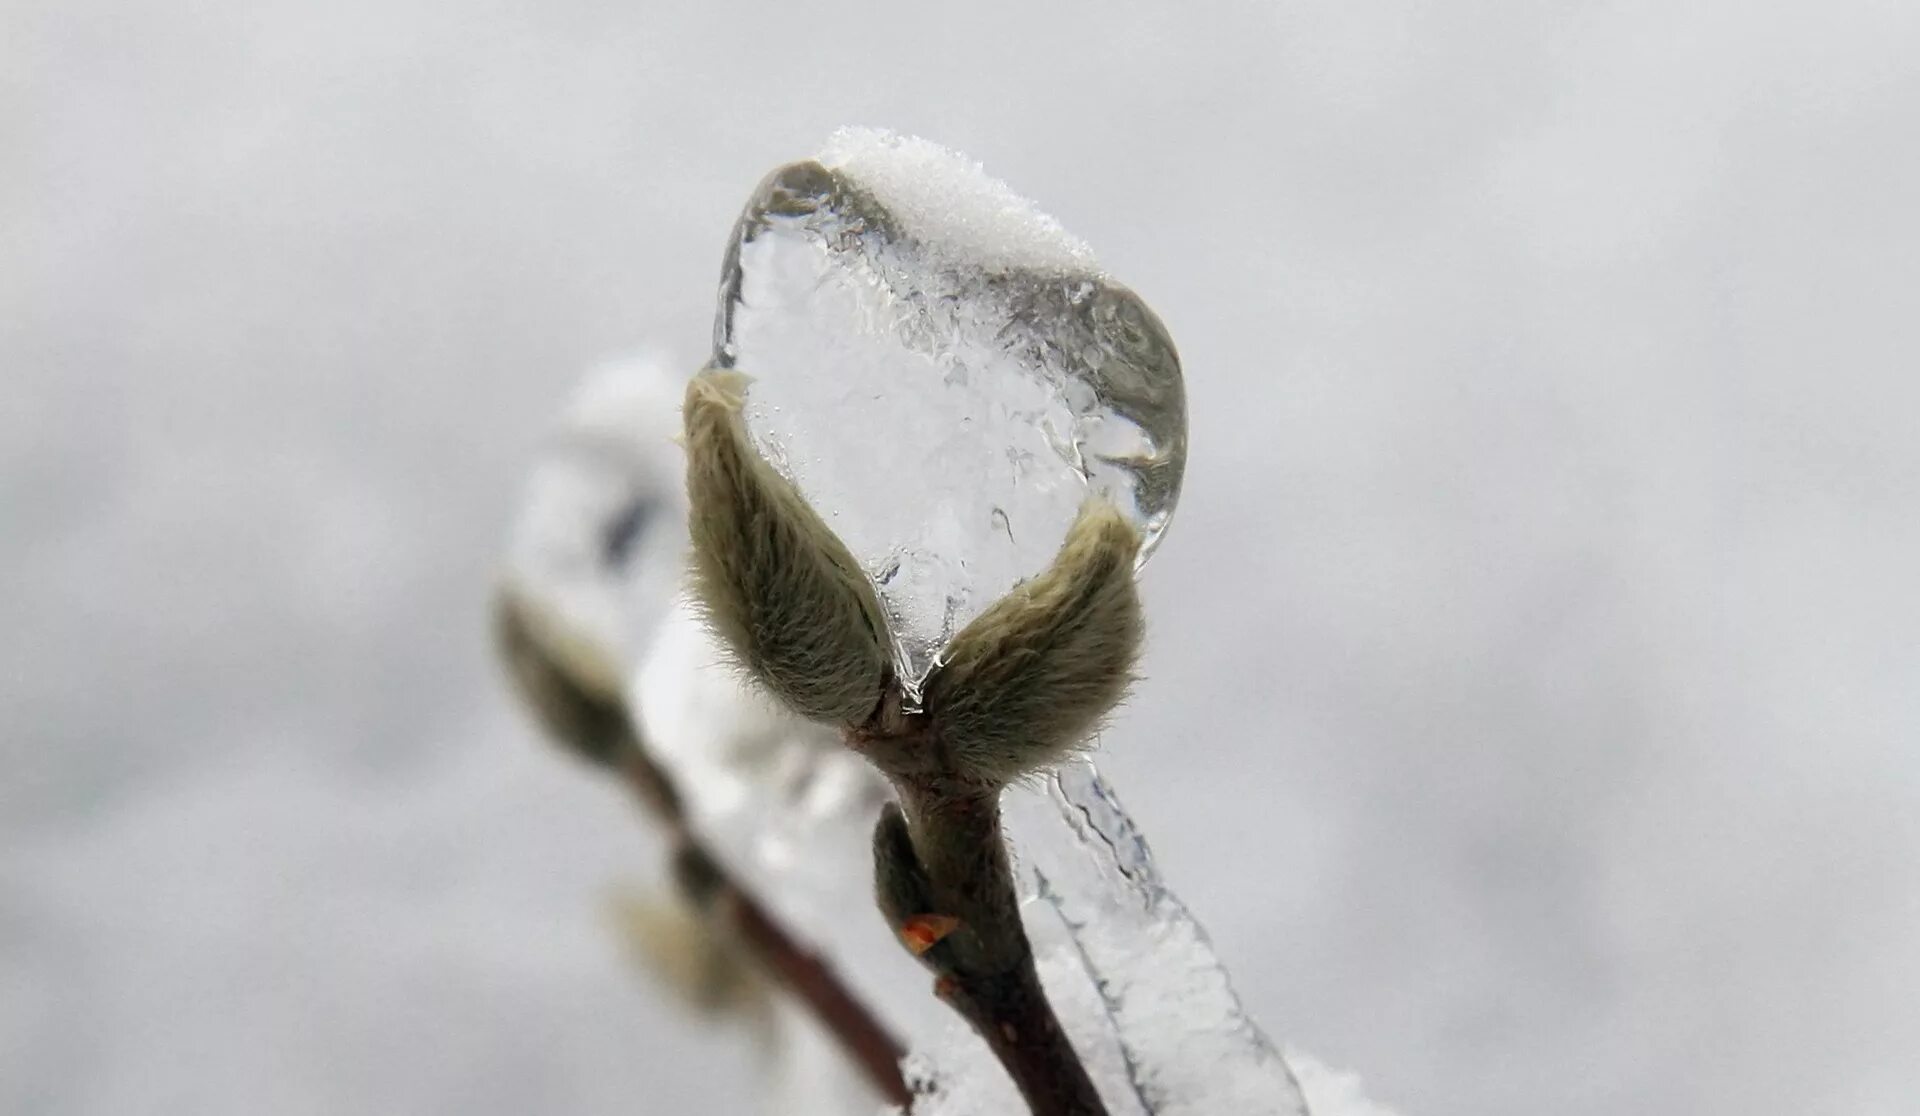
(923, 932)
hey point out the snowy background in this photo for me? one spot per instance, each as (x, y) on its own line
(1534, 680)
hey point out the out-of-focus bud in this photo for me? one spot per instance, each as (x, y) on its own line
(568, 683)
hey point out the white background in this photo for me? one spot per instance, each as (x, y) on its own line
(1532, 702)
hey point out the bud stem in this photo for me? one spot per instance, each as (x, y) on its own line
(986, 969)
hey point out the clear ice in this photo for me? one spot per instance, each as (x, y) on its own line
(945, 373)
(1137, 985)
(790, 811)
(1151, 1011)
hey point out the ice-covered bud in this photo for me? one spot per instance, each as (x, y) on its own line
(947, 376)
(1031, 678)
(777, 585)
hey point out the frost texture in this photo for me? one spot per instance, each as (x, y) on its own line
(945, 374)
(979, 221)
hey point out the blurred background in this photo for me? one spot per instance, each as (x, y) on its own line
(1532, 699)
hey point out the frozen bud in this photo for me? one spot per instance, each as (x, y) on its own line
(778, 587)
(1031, 678)
(946, 375)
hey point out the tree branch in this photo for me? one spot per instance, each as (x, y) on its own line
(861, 1036)
(944, 880)
(595, 724)
(994, 985)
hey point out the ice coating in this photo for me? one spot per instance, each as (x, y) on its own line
(1190, 1046)
(945, 373)
(1131, 973)
(787, 808)
(599, 549)
(1150, 1009)
(790, 812)
(601, 527)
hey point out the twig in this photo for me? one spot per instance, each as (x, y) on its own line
(598, 726)
(1003, 1000)
(944, 879)
(798, 969)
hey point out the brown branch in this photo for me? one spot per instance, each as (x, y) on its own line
(861, 1036)
(944, 880)
(991, 980)
(597, 726)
